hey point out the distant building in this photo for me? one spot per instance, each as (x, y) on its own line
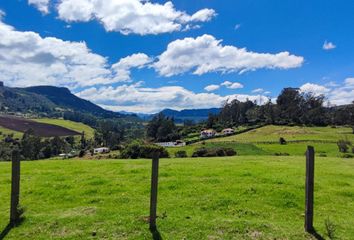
(228, 131)
(101, 150)
(68, 155)
(207, 133)
(1, 84)
(178, 143)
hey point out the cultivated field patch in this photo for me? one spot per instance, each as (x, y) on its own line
(40, 129)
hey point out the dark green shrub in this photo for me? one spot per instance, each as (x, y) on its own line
(81, 153)
(331, 229)
(347, 155)
(220, 152)
(281, 154)
(282, 141)
(181, 154)
(230, 152)
(343, 145)
(199, 152)
(214, 152)
(137, 150)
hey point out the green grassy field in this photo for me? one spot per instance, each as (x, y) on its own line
(6, 132)
(78, 127)
(273, 133)
(265, 141)
(242, 149)
(75, 126)
(252, 197)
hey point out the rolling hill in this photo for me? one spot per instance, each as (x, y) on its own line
(48, 100)
(63, 98)
(265, 141)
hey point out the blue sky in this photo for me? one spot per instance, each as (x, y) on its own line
(144, 56)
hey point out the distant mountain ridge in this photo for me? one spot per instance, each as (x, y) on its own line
(48, 100)
(195, 115)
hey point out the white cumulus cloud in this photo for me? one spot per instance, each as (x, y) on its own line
(206, 54)
(258, 90)
(226, 83)
(212, 87)
(235, 85)
(328, 45)
(123, 67)
(337, 94)
(134, 98)
(314, 88)
(349, 82)
(132, 16)
(2, 14)
(27, 59)
(41, 5)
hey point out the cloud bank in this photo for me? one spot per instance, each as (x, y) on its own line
(206, 54)
(141, 17)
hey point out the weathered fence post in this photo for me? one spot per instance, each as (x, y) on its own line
(154, 187)
(310, 175)
(15, 187)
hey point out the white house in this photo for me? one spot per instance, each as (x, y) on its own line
(101, 150)
(178, 143)
(228, 131)
(208, 133)
(68, 155)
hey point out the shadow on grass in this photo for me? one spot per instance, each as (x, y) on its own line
(154, 233)
(316, 235)
(10, 226)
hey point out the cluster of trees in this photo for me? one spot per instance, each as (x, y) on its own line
(33, 147)
(138, 149)
(109, 132)
(162, 129)
(292, 107)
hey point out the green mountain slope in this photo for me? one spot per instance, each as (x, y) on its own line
(48, 100)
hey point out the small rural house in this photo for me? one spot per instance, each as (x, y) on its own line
(68, 155)
(228, 131)
(101, 150)
(208, 133)
(177, 143)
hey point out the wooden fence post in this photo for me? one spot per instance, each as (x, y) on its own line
(310, 176)
(154, 187)
(15, 187)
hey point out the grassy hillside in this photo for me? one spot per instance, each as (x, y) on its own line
(78, 127)
(265, 141)
(241, 148)
(273, 133)
(254, 197)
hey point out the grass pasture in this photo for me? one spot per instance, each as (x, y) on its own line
(265, 141)
(242, 149)
(249, 197)
(272, 133)
(5, 132)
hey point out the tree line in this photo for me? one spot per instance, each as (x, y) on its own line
(292, 107)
